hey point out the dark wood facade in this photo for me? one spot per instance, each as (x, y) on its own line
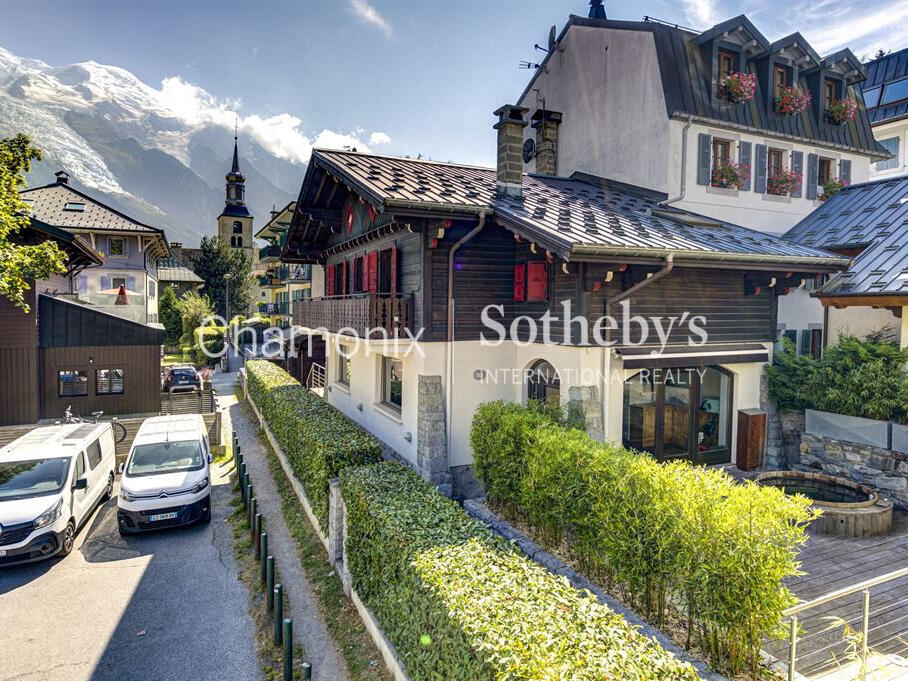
(18, 363)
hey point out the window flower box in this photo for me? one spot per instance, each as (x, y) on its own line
(841, 111)
(783, 184)
(730, 175)
(792, 100)
(831, 187)
(738, 87)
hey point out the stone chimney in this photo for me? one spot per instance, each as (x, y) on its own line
(510, 127)
(62, 177)
(597, 11)
(176, 251)
(546, 124)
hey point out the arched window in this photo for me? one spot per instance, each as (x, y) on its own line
(237, 227)
(236, 241)
(543, 383)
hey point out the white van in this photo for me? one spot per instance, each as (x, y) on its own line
(166, 480)
(51, 479)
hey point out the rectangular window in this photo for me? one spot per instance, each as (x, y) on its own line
(891, 144)
(392, 382)
(74, 207)
(776, 162)
(726, 64)
(116, 247)
(872, 97)
(94, 454)
(895, 91)
(343, 364)
(816, 343)
(109, 382)
(117, 282)
(721, 152)
(779, 80)
(152, 289)
(825, 171)
(828, 93)
(358, 275)
(72, 383)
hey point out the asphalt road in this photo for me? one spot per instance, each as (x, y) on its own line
(165, 606)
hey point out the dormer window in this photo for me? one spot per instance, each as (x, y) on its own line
(726, 64)
(828, 93)
(779, 80)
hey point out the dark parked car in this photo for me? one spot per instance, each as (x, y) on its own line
(181, 377)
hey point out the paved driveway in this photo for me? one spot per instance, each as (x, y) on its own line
(157, 607)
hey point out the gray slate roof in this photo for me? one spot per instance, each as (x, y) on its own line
(171, 269)
(872, 215)
(571, 214)
(48, 203)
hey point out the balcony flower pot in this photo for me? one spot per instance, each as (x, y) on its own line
(841, 111)
(730, 175)
(792, 101)
(831, 187)
(738, 87)
(783, 184)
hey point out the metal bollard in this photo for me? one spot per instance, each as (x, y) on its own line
(278, 612)
(307, 671)
(248, 501)
(269, 583)
(257, 535)
(263, 551)
(253, 507)
(288, 649)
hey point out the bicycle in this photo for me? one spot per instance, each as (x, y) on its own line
(118, 428)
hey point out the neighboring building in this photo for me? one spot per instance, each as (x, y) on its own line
(867, 222)
(62, 353)
(406, 242)
(886, 97)
(235, 222)
(278, 285)
(130, 248)
(173, 272)
(640, 102)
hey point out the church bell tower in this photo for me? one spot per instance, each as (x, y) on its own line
(235, 222)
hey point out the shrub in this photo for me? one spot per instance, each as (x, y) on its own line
(459, 603)
(319, 440)
(790, 376)
(208, 344)
(169, 314)
(670, 537)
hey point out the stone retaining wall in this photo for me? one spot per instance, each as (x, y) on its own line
(883, 469)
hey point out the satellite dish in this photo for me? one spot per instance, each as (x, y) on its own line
(529, 150)
(552, 37)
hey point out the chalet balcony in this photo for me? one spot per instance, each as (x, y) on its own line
(362, 312)
(270, 253)
(280, 308)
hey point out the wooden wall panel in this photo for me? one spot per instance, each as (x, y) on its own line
(18, 363)
(142, 366)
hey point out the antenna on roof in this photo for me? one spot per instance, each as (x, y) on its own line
(529, 65)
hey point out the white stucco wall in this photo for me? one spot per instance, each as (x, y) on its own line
(759, 211)
(885, 131)
(860, 321)
(799, 311)
(607, 85)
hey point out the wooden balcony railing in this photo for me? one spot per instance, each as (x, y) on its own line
(357, 314)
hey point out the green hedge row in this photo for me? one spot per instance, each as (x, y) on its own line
(461, 604)
(319, 440)
(677, 541)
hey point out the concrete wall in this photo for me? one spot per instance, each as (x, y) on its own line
(763, 212)
(606, 82)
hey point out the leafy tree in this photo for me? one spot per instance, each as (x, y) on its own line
(215, 261)
(170, 315)
(19, 264)
(790, 375)
(193, 311)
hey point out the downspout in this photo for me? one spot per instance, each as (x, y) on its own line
(683, 187)
(449, 346)
(624, 295)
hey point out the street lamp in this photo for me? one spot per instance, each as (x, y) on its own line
(227, 297)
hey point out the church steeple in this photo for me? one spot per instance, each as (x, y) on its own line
(236, 183)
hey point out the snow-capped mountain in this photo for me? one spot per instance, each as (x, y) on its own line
(160, 155)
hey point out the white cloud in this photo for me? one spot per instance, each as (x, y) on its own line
(368, 14)
(856, 27)
(701, 13)
(379, 138)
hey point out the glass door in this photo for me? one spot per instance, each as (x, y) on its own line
(676, 420)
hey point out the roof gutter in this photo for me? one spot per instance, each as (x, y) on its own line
(449, 346)
(683, 188)
(831, 264)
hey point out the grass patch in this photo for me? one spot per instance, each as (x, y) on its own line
(364, 663)
(171, 359)
(248, 569)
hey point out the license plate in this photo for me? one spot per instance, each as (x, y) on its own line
(162, 516)
(2, 553)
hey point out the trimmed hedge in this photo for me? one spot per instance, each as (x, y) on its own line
(461, 604)
(677, 541)
(319, 440)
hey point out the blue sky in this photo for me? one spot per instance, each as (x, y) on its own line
(402, 76)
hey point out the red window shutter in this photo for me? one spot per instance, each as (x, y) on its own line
(372, 261)
(330, 282)
(520, 272)
(394, 269)
(537, 285)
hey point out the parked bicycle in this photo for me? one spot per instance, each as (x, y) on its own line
(118, 428)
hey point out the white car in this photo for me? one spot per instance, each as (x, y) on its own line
(51, 480)
(166, 480)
